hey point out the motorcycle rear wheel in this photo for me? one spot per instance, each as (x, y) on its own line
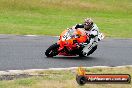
(52, 50)
(81, 55)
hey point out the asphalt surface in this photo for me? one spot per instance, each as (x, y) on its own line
(24, 52)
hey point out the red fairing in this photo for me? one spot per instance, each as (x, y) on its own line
(69, 39)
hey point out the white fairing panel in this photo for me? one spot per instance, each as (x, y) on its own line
(67, 35)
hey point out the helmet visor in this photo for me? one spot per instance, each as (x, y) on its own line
(87, 27)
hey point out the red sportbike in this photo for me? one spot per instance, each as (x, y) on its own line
(70, 43)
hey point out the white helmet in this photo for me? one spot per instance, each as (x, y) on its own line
(88, 22)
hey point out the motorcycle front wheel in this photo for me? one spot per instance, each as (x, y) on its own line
(52, 50)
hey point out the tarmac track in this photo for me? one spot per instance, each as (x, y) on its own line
(27, 52)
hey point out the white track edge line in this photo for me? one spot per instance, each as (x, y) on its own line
(70, 68)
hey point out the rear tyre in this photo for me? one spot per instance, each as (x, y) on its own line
(80, 52)
(81, 55)
(52, 50)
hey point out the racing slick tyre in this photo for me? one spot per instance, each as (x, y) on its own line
(52, 50)
(81, 55)
(81, 80)
(80, 52)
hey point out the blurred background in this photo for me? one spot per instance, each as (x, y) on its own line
(51, 17)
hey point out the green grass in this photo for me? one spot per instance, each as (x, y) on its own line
(51, 17)
(65, 79)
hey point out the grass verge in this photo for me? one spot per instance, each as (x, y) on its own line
(51, 17)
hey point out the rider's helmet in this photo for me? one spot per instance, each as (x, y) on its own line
(88, 23)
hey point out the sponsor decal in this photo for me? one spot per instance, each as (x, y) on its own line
(82, 77)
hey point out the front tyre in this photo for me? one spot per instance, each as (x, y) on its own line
(52, 50)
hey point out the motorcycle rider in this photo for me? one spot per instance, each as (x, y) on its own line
(92, 32)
